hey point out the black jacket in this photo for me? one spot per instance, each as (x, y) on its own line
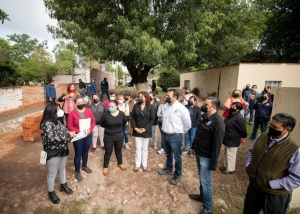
(98, 111)
(155, 105)
(209, 137)
(143, 119)
(235, 129)
(197, 115)
(104, 85)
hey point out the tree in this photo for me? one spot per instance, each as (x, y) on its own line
(24, 46)
(120, 72)
(5, 49)
(3, 16)
(168, 78)
(143, 34)
(108, 67)
(8, 74)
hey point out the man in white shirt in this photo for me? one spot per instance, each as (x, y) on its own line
(176, 121)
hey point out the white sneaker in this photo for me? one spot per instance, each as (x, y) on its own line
(126, 146)
(155, 147)
(162, 151)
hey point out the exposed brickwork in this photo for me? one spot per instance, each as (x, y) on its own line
(100, 75)
(31, 127)
(32, 94)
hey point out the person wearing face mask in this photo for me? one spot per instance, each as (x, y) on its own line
(98, 109)
(113, 96)
(176, 122)
(273, 167)
(245, 90)
(195, 114)
(55, 140)
(142, 118)
(113, 121)
(251, 98)
(263, 110)
(155, 103)
(160, 120)
(186, 96)
(236, 96)
(104, 88)
(81, 146)
(129, 102)
(124, 107)
(206, 146)
(235, 128)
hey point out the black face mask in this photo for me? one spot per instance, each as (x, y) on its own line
(236, 95)
(273, 132)
(80, 107)
(247, 87)
(190, 103)
(126, 99)
(264, 98)
(186, 92)
(95, 100)
(232, 110)
(140, 101)
(204, 108)
(151, 98)
(168, 100)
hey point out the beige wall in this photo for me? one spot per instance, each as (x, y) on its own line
(257, 74)
(286, 100)
(208, 81)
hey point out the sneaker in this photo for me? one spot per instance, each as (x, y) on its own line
(93, 149)
(165, 172)
(87, 170)
(161, 151)
(196, 197)
(126, 146)
(155, 147)
(184, 151)
(175, 180)
(78, 177)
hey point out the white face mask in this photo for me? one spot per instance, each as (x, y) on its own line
(112, 98)
(120, 101)
(60, 113)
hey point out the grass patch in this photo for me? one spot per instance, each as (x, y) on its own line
(190, 166)
(66, 207)
(155, 211)
(113, 210)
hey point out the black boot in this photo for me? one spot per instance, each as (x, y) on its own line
(64, 188)
(53, 197)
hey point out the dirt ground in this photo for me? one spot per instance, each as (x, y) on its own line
(24, 189)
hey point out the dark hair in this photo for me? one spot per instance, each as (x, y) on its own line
(98, 95)
(111, 93)
(113, 101)
(146, 95)
(77, 98)
(175, 93)
(286, 120)
(127, 94)
(254, 86)
(50, 113)
(214, 101)
(69, 86)
(193, 97)
(238, 105)
(156, 91)
(153, 93)
(51, 81)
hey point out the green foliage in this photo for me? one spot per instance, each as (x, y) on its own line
(70, 207)
(8, 74)
(5, 50)
(66, 60)
(120, 72)
(108, 67)
(3, 16)
(196, 91)
(168, 78)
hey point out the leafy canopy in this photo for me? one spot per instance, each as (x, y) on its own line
(168, 78)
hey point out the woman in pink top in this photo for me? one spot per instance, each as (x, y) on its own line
(68, 100)
(81, 146)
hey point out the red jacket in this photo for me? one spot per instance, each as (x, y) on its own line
(73, 120)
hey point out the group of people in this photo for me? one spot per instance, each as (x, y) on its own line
(272, 162)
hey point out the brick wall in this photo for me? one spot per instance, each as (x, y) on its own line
(100, 75)
(32, 94)
(10, 98)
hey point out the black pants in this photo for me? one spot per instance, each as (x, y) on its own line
(102, 93)
(110, 143)
(257, 200)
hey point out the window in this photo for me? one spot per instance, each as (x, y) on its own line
(187, 83)
(274, 83)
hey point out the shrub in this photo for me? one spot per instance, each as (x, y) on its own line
(196, 91)
(168, 79)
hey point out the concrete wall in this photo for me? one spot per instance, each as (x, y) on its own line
(286, 100)
(221, 80)
(10, 98)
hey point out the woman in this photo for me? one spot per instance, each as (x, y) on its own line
(124, 107)
(236, 96)
(98, 109)
(113, 121)
(186, 96)
(159, 116)
(142, 118)
(68, 100)
(155, 104)
(81, 146)
(235, 128)
(195, 114)
(263, 110)
(55, 139)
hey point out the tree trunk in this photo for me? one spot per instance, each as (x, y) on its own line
(139, 76)
(143, 87)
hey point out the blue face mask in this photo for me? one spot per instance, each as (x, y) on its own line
(111, 109)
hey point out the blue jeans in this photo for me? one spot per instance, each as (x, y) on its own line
(172, 146)
(82, 92)
(81, 148)
(251, 111)
(125, 130)
(163, 136)
(263, 124)
(189, 137)
(154, 134)
(102, 92)
(205, 174)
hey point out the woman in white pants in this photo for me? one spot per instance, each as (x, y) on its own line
(98, 109)
(142, 118)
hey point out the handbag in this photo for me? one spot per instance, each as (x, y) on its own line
(43, 157)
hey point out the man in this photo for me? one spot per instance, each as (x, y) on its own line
(206, 147)
(176, 121)
(267, 90)
(156, 104)
(153, 86)
(251, 97)
(51, 91)
(104, 88)
(91, 88)
(245, 90)
(273, 167)
(82, 87)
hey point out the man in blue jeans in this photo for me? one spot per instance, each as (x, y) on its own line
(206, 146)
(176, 121)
